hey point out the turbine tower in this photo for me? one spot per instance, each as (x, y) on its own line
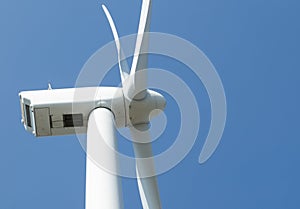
(99, 110)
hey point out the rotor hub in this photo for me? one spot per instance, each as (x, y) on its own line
(141, 111)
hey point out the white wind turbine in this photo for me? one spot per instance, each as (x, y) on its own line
(97, 111)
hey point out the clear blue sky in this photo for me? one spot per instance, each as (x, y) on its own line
(254, 46)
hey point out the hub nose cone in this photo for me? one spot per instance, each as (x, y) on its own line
(159, 104)
(141, 111)
(159, 100)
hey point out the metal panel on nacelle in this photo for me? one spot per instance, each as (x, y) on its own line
(66, 111)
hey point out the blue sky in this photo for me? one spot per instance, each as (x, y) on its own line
(254, 46)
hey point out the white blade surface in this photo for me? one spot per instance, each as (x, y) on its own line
(148, 187)
(103, 190)
(140, 61)
(123, 65)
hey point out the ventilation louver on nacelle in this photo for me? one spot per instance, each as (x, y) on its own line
(28, 118)
(73, 120)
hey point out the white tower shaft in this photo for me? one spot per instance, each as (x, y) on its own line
(103, 189)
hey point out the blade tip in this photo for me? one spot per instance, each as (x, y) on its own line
(103, 7)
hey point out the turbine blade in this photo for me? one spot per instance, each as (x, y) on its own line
(146, 178)
(123, 65)
(140, 59)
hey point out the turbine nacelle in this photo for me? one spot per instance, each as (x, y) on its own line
(66, 111)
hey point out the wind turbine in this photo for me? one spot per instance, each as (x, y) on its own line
(98, 111)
